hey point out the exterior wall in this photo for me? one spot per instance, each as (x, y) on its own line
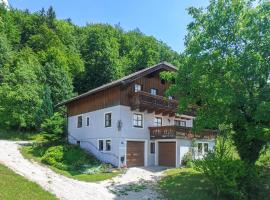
(130, 132)
(89, 135)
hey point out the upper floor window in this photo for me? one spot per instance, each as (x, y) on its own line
(87, 121)
(170, 97)
(108, 119)
(154, 91)
(137, 87)
(179, 123)
(137, 120)
(158, 121)
(79, 121)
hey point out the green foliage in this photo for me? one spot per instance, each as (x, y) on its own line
(226, 70)
(70, 160)
(20, 91)
(53, 128)
(44, 61)
(68, 157)
(264, 159)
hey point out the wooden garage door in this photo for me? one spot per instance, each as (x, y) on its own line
(166, 154)
(135, 153)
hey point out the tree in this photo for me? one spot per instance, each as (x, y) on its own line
(226, 72)
(100, 51)
(20, 91)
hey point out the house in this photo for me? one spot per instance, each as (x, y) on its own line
(130, 122)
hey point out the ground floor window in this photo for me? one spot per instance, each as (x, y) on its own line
(104, 145)
(100, 145)
(202, 148)
(108, 145)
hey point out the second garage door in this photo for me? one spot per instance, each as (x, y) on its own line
(135, 153)
(166, 154)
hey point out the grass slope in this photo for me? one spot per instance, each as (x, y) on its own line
(32, 153)
(15, 187)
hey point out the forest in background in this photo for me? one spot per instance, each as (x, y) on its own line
(44, 61)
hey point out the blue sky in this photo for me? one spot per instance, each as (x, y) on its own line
(164, 19)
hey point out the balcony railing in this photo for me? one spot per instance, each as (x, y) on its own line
(175, 132)
(148, 101)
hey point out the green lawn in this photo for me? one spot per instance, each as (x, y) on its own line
(185, 184)
(188, 184)
(31, 153)
(15, 187)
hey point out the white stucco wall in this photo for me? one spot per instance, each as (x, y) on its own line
(89, 135)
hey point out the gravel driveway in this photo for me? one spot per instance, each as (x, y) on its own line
(136, 183)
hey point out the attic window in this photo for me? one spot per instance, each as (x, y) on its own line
(137, 87)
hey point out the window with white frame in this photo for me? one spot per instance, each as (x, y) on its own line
(79, 121)
(203, 148)
(87, 121)
(108, 145)
(108, 119)
(158, 121)
(170, 97)
(137, 120)
(104, 145)
(100, 145)
(179, 123)
(154, 91)
(137, 87)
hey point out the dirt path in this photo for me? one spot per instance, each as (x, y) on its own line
(136, 183)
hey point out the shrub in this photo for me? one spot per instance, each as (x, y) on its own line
(232, 178)
(68, 157)
(53, 128)
(264, 159)
(187, 159)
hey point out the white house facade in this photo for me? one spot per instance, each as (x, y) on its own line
(128, 123)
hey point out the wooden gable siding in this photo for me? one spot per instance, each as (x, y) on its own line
(147, 82)
(103, 99)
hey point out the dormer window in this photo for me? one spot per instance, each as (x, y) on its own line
(137, 87)
(154, 91)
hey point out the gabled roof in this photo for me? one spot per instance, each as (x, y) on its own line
(125, 80)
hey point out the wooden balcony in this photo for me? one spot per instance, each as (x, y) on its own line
(153, 103)
(178, 132)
